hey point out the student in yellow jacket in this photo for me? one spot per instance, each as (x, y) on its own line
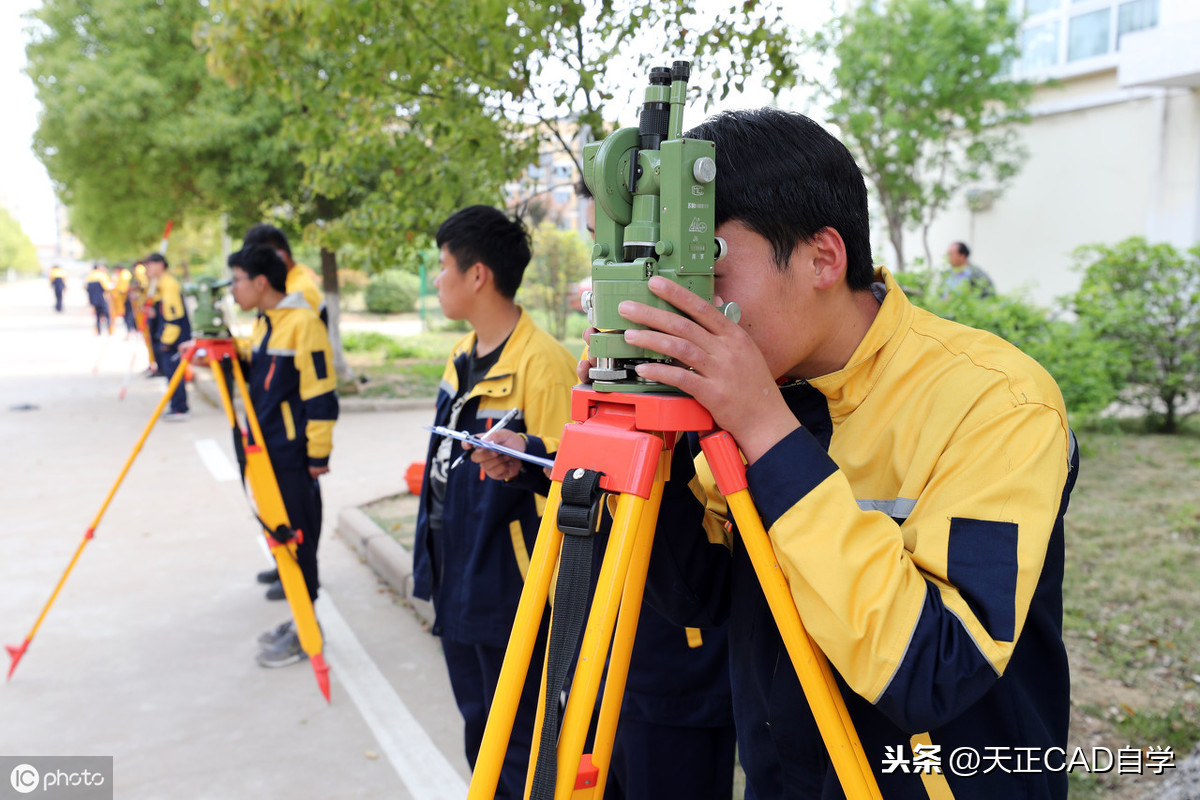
(912, 474)
(99, 285)
(293, 388)
(58, 282)
(169, 328)
(121, 305)
(474, 536)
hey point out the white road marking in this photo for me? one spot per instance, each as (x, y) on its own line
(422, 768)
(215, 459)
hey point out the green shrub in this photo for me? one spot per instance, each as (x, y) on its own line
(392, 292)
(1145, 299)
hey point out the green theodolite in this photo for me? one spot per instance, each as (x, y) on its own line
(655, 195)
(208, 319)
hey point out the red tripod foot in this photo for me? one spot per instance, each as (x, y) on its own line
(15, 654)
(321, 670)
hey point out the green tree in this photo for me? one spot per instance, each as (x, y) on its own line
(134, 131)
(1146, 298)
(560, 259)
(16, 248)
(410, 109)
(921, 95)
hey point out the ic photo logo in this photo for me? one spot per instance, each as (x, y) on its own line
(24, 778)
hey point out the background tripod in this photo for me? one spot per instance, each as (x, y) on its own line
(624, 447)
(257, 473)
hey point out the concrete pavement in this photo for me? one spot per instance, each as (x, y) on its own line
(148, 653)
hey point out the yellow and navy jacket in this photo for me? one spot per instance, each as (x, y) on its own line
(58, 278)
(303, 280)
(170, 325)
(292, 384)
(98, 285)
(918, 517)
(475, 571)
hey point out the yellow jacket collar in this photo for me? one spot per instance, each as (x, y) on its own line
(846, 388)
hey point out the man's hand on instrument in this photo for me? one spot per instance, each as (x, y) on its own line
(717, 363)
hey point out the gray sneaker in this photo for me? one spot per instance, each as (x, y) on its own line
(268, 639)
(283, 653)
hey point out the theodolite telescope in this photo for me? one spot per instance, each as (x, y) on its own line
(208, 320)
(655, 196)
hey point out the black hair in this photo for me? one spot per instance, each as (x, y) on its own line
(268, 235)
(786, 178)
(963, 250)
(581, 190)
(488, 235)
(159, 257)
(261, 260)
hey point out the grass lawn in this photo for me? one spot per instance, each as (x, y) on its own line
(1131, 590)
(1132, 599)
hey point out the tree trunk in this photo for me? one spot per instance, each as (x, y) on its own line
(329, 283)
(896, 234)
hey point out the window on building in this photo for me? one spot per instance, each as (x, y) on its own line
(1039, 47)
(1058, 33)
(1088, 35)
(1136, 16)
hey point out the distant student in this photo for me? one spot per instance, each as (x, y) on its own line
(58, 282)
(293, 388)
(98, 286)
(169, 327)
(302, 280)
(299, 277)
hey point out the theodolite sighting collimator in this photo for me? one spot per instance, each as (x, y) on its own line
(655, 197)
(208, 318)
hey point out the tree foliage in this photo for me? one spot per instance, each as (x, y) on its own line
(134, 131)
(921, 96)
(560, 259)
(16, 248)
(1146, 298)
(410, 109)
(1087, 368)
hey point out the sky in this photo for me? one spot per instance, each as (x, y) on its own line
(25, 188)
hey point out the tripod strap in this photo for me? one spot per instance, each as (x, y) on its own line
(578, 516)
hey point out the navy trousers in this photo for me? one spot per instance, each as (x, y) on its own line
(474, 671)
(302, 500)
(168, 361)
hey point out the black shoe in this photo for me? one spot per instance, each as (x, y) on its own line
(276, 591)
(268, 576)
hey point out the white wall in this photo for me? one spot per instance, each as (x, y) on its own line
(1104, 164)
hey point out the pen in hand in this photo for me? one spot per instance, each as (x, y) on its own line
(507, 418)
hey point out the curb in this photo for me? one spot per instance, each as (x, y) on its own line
(387, 557)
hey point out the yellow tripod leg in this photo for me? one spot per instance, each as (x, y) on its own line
(627, 524)
(623, 638)
(816, 677)
(503, 711)
(260, 476)
(15, 653)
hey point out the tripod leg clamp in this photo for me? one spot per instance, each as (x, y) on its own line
(579, 511)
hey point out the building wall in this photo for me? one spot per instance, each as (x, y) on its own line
(1106, 161)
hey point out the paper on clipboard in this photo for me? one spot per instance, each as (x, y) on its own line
(475, 441)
